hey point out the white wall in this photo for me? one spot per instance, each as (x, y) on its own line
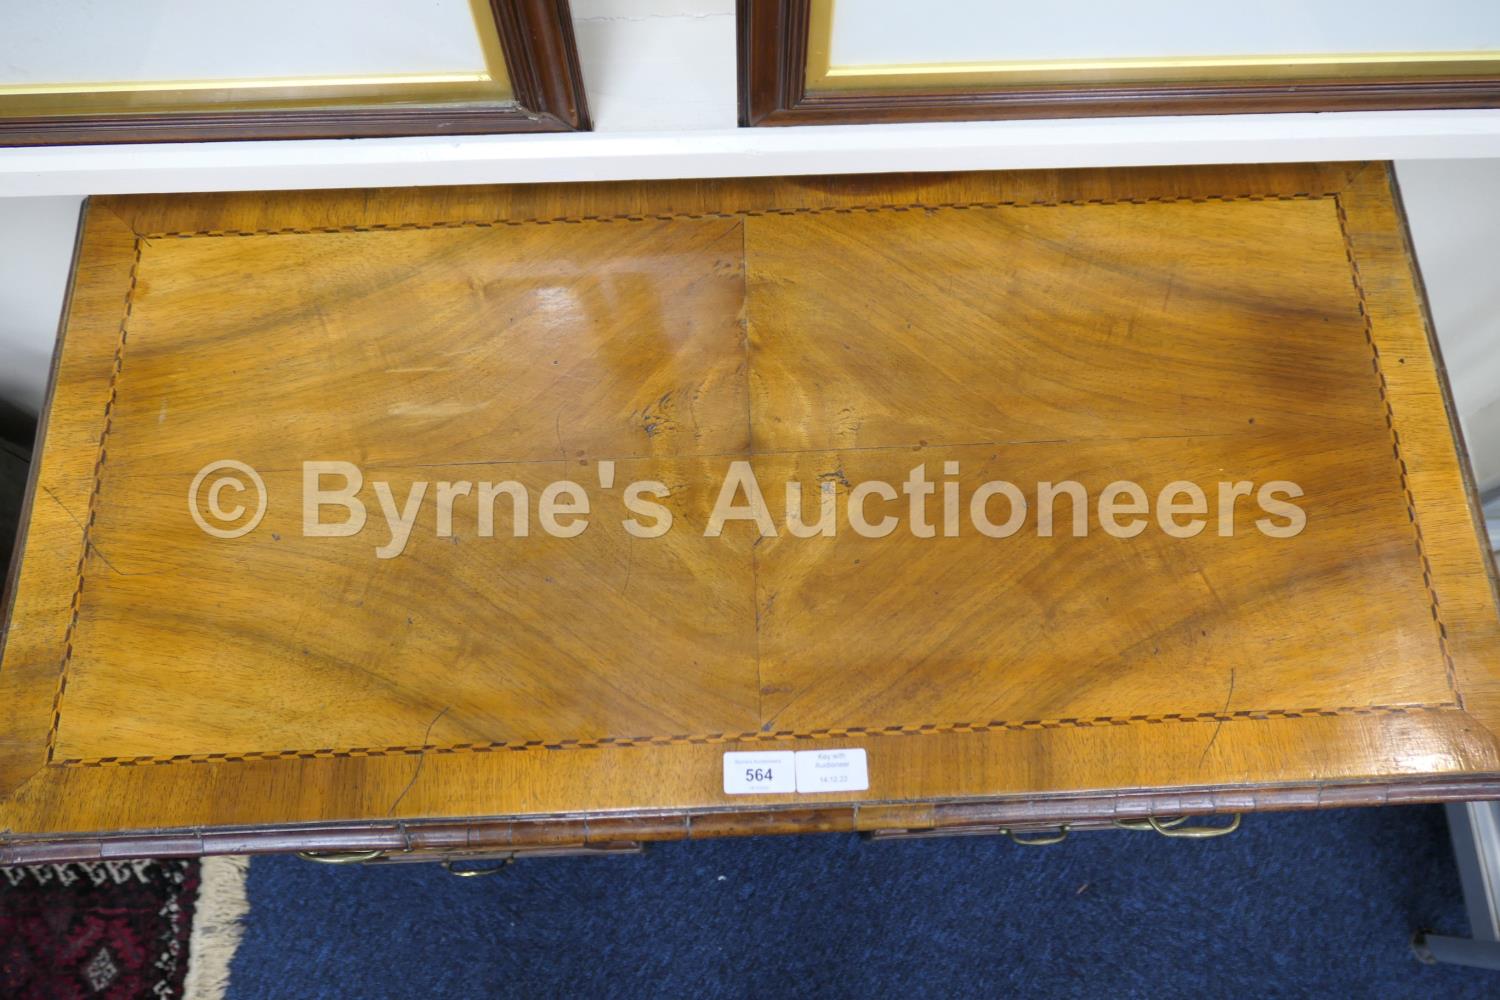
(1453, 208)
(36, 250)
(689, 47)
(146, 41)
(982, 31)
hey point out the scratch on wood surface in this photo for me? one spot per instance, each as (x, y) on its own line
(421, 759)
(93, 548)
(1220, 723)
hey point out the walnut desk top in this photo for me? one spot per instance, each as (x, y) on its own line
(486, 662)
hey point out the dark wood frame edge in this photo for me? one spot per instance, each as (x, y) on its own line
(438, 837)
(543, 28)
(540, 55)
(773, 90)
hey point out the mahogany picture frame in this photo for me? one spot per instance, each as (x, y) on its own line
(541, 58)
(773, 62)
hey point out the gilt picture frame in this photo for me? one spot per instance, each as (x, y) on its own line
(790, 74)
(520, 74)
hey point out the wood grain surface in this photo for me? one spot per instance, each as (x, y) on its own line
(1205, 325)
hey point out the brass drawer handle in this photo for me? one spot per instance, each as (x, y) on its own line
(1196, 832)
(1042, 841)
(477, 872)
(1145, 825)
(341, 857)
(1174, 827)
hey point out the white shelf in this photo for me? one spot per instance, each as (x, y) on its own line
(727, 152)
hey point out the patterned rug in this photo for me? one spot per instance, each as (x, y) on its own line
(118, 930)
(113, 929)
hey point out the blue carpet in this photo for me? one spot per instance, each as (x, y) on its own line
(1292, 905)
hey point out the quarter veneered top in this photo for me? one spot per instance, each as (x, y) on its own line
(197, 641)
